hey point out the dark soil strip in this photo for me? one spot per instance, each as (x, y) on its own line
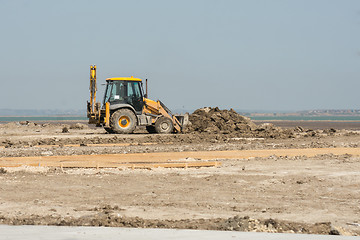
(107, 219)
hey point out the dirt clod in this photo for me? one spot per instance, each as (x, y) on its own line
(65, 130)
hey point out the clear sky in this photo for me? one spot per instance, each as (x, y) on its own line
(251, 55)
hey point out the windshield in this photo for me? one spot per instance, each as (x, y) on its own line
(123, 92)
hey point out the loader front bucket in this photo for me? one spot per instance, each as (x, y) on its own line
(183, 119)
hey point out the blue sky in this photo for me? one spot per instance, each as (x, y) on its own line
(250, 55)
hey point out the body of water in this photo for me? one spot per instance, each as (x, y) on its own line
(307, 118)
(260, 118)
(42, 118)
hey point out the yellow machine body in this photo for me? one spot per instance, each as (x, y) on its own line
(118, 117)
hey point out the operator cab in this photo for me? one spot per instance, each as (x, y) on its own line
(125, 91)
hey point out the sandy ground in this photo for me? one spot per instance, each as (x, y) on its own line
(318, 194)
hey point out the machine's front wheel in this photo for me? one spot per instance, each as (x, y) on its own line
(164, 125)
(123, 121)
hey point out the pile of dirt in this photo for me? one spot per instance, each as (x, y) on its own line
(107, 218)
(214, 120)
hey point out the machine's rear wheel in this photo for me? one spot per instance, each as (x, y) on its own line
(150, 129)
(164, 125)
(123, 121)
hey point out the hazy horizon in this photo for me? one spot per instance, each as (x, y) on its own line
(82, 112)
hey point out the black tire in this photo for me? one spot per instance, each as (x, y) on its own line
(123, 121)
(164, 125)
(150, 129)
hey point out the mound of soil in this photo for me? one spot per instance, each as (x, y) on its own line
(214, 120)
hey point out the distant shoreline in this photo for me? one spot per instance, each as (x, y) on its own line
(253, 118)
(313, 124)
(281, 120)
(42, 116)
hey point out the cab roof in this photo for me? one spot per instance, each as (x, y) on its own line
(124, 79)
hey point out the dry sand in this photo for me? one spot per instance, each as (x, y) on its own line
(318, 194)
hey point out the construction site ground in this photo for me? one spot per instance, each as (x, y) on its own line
(306, 182)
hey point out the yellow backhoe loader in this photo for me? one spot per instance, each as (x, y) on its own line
(125, 106)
